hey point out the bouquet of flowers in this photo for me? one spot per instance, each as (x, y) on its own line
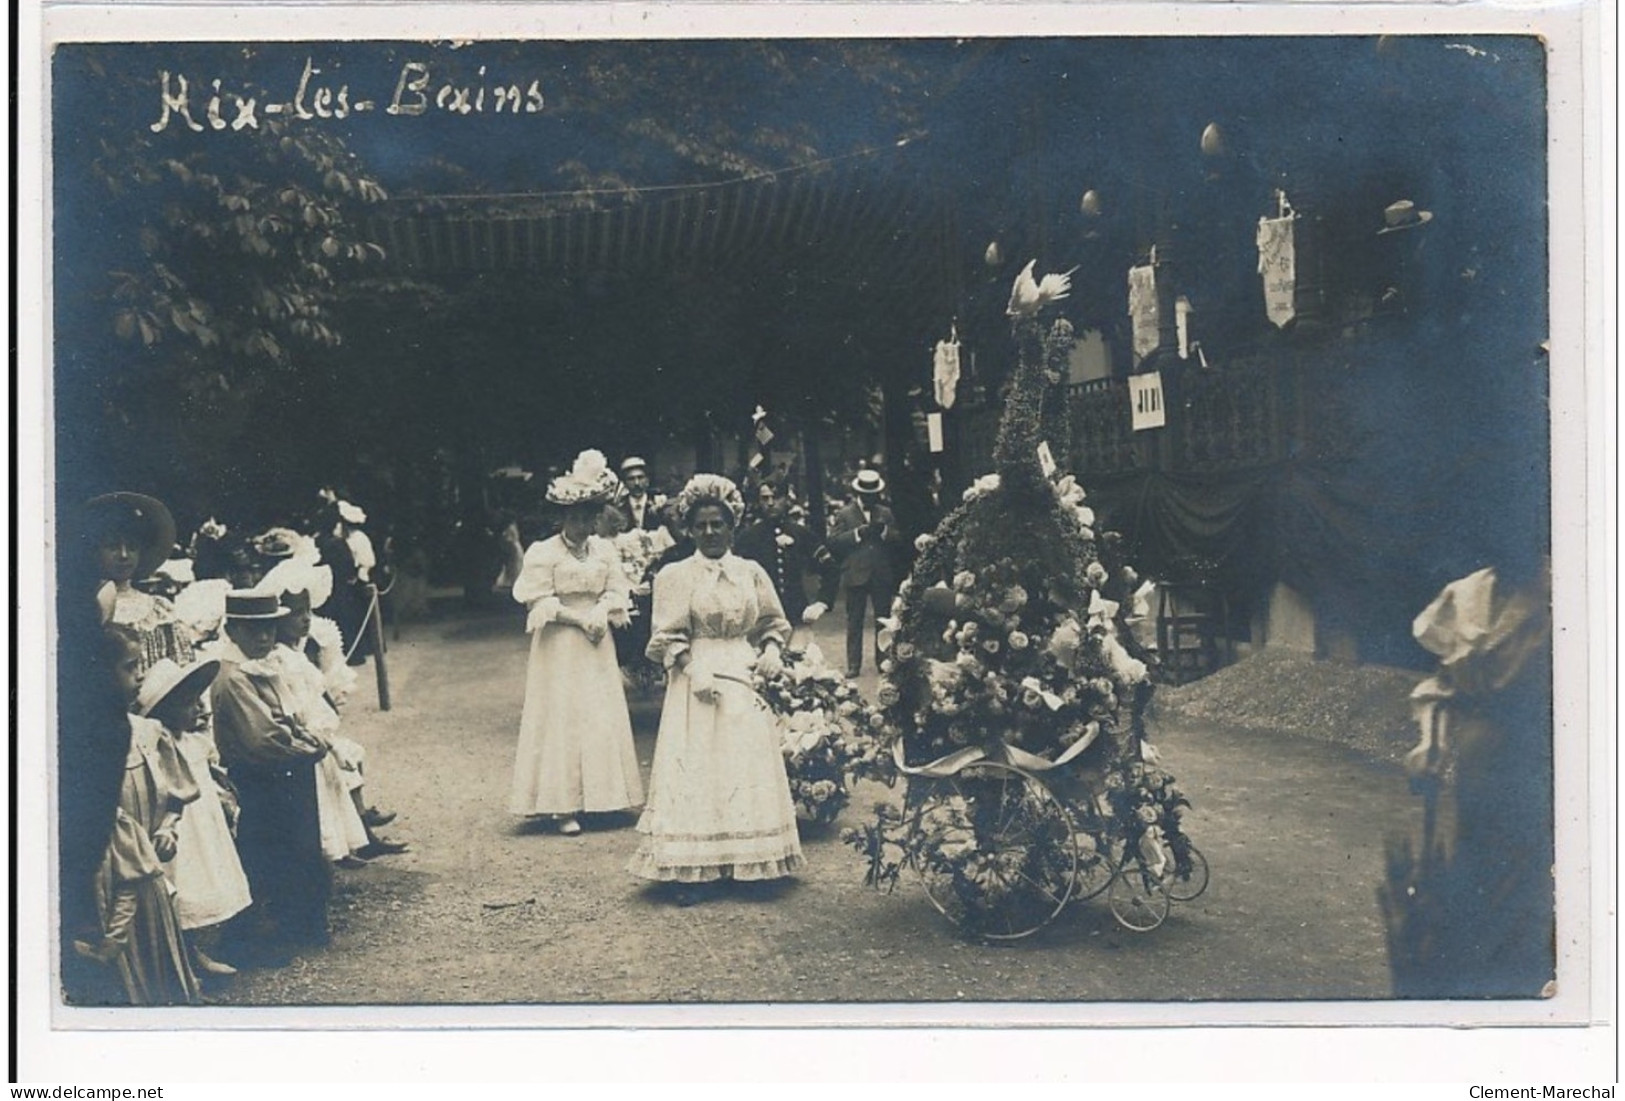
(826, 730)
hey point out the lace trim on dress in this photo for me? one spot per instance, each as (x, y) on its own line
(644, 866)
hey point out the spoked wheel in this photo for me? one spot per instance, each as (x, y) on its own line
(995, 851)
(1183, 886)
(1139, 896)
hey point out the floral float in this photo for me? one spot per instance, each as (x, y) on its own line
(1008, 643)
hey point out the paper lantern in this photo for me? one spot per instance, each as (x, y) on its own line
(1090, 203)
(994, 256)
(1213, 143)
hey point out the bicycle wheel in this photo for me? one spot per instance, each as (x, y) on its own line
(1138, 896)
(995, 851)
(1095, 864)
(1185, 885)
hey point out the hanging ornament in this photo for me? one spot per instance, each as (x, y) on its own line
(1090, 203)
(1213, 143)
(994, 256)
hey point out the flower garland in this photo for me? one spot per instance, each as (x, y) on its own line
(827, 731)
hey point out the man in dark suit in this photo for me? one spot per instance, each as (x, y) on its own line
(863, 538)
(641, 507)
(783, 547)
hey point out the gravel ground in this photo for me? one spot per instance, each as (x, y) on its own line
(1365, 708)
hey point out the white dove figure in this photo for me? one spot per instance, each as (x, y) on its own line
(1030, 295)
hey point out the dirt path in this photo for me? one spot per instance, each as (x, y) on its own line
(485, 911)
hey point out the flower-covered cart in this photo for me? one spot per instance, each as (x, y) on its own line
(1013, 694)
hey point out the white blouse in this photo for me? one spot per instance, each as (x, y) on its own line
(715, 598)
(552, 577)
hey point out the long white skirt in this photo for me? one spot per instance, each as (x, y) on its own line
(343, 832)
(575, 737)
(719, 798)
(209, 882)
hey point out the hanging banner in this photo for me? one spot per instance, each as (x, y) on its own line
(1145, 399)
(1046, 459)
(1142, 310)
(1278, 266)
(1182, 325)
(933, 430)
(945, 372)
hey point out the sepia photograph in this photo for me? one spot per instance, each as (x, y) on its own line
(888, 522)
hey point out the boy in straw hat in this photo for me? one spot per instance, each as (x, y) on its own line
(210, 886)
(271, 757)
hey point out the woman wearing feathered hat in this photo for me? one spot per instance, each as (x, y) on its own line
(575, 750)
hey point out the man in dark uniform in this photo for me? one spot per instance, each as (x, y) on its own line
(863, 538)
(782, 547)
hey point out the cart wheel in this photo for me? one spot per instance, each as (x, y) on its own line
(995, 851)
(1190, 885)
(1138, 897)
(1095, 865)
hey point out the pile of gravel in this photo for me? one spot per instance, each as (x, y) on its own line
(1363, 707)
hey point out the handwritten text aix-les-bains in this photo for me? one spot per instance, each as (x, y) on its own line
(416, 93)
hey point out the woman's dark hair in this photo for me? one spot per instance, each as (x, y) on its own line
(119, 639)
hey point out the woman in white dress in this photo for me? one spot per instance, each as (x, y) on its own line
(575, 750)
(719, 799)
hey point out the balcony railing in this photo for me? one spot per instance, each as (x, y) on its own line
(1251, 413)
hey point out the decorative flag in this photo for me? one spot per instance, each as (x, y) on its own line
(1145, 398)
(1277, 264)
(764, 434)
(1143, 311)
(933, 429)
(945, 372)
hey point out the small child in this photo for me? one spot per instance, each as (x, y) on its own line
(205, 869)
(141, 933)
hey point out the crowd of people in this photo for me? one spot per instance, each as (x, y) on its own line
(207, 788)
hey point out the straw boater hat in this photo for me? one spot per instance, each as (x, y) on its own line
(253, 604)
(1403, 215)
(869, 483)
(589, 481)
(166, 679)
(631, 463)
(144, 517)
